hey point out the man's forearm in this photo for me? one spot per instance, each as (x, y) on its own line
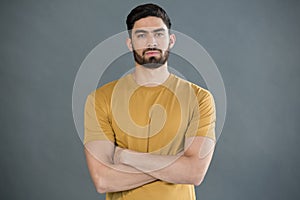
(172, 169)
(110, 177)
(122, 177)
(180, 169)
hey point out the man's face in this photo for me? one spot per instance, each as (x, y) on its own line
(150, 42)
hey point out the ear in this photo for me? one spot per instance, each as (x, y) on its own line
(172, 40)
(129, 44)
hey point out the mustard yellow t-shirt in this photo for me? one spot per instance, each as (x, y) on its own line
(150, 119)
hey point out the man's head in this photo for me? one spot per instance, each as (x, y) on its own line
(146, 10)
(149, 37)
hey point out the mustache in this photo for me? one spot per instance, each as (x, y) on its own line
(151, 49)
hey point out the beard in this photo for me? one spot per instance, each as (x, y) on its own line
(152, 62)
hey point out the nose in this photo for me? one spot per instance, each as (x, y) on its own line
(151, 42)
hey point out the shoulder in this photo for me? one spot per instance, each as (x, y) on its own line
(199, 91)
(102, 94)
(106, 89)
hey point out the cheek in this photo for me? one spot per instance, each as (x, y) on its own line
(139, 45)
(138, 51)
(164, 44)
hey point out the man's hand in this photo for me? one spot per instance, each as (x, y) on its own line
(117, 155)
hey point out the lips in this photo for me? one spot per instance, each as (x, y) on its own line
(152, 53)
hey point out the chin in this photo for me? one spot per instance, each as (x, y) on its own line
(152, 65)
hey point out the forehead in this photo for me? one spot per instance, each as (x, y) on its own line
(149, 23)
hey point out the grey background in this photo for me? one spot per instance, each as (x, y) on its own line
(254, 43)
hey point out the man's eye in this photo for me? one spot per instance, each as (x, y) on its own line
(159, 34)
(141, 35)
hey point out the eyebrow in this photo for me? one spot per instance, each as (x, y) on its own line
(154, 31)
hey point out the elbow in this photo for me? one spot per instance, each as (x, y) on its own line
(197, 177)
(101, 189)
(197, 180)
(105, 185)
(102, 186)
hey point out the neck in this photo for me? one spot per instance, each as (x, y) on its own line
(150, 77)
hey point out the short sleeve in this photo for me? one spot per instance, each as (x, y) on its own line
(203, 118)
(97, 125)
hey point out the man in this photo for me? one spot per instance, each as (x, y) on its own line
(150, 134)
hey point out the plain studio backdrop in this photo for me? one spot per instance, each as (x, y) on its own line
(255, 45)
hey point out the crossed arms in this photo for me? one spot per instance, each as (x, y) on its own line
(115, 169)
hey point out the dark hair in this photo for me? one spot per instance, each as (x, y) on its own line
(146, 10)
